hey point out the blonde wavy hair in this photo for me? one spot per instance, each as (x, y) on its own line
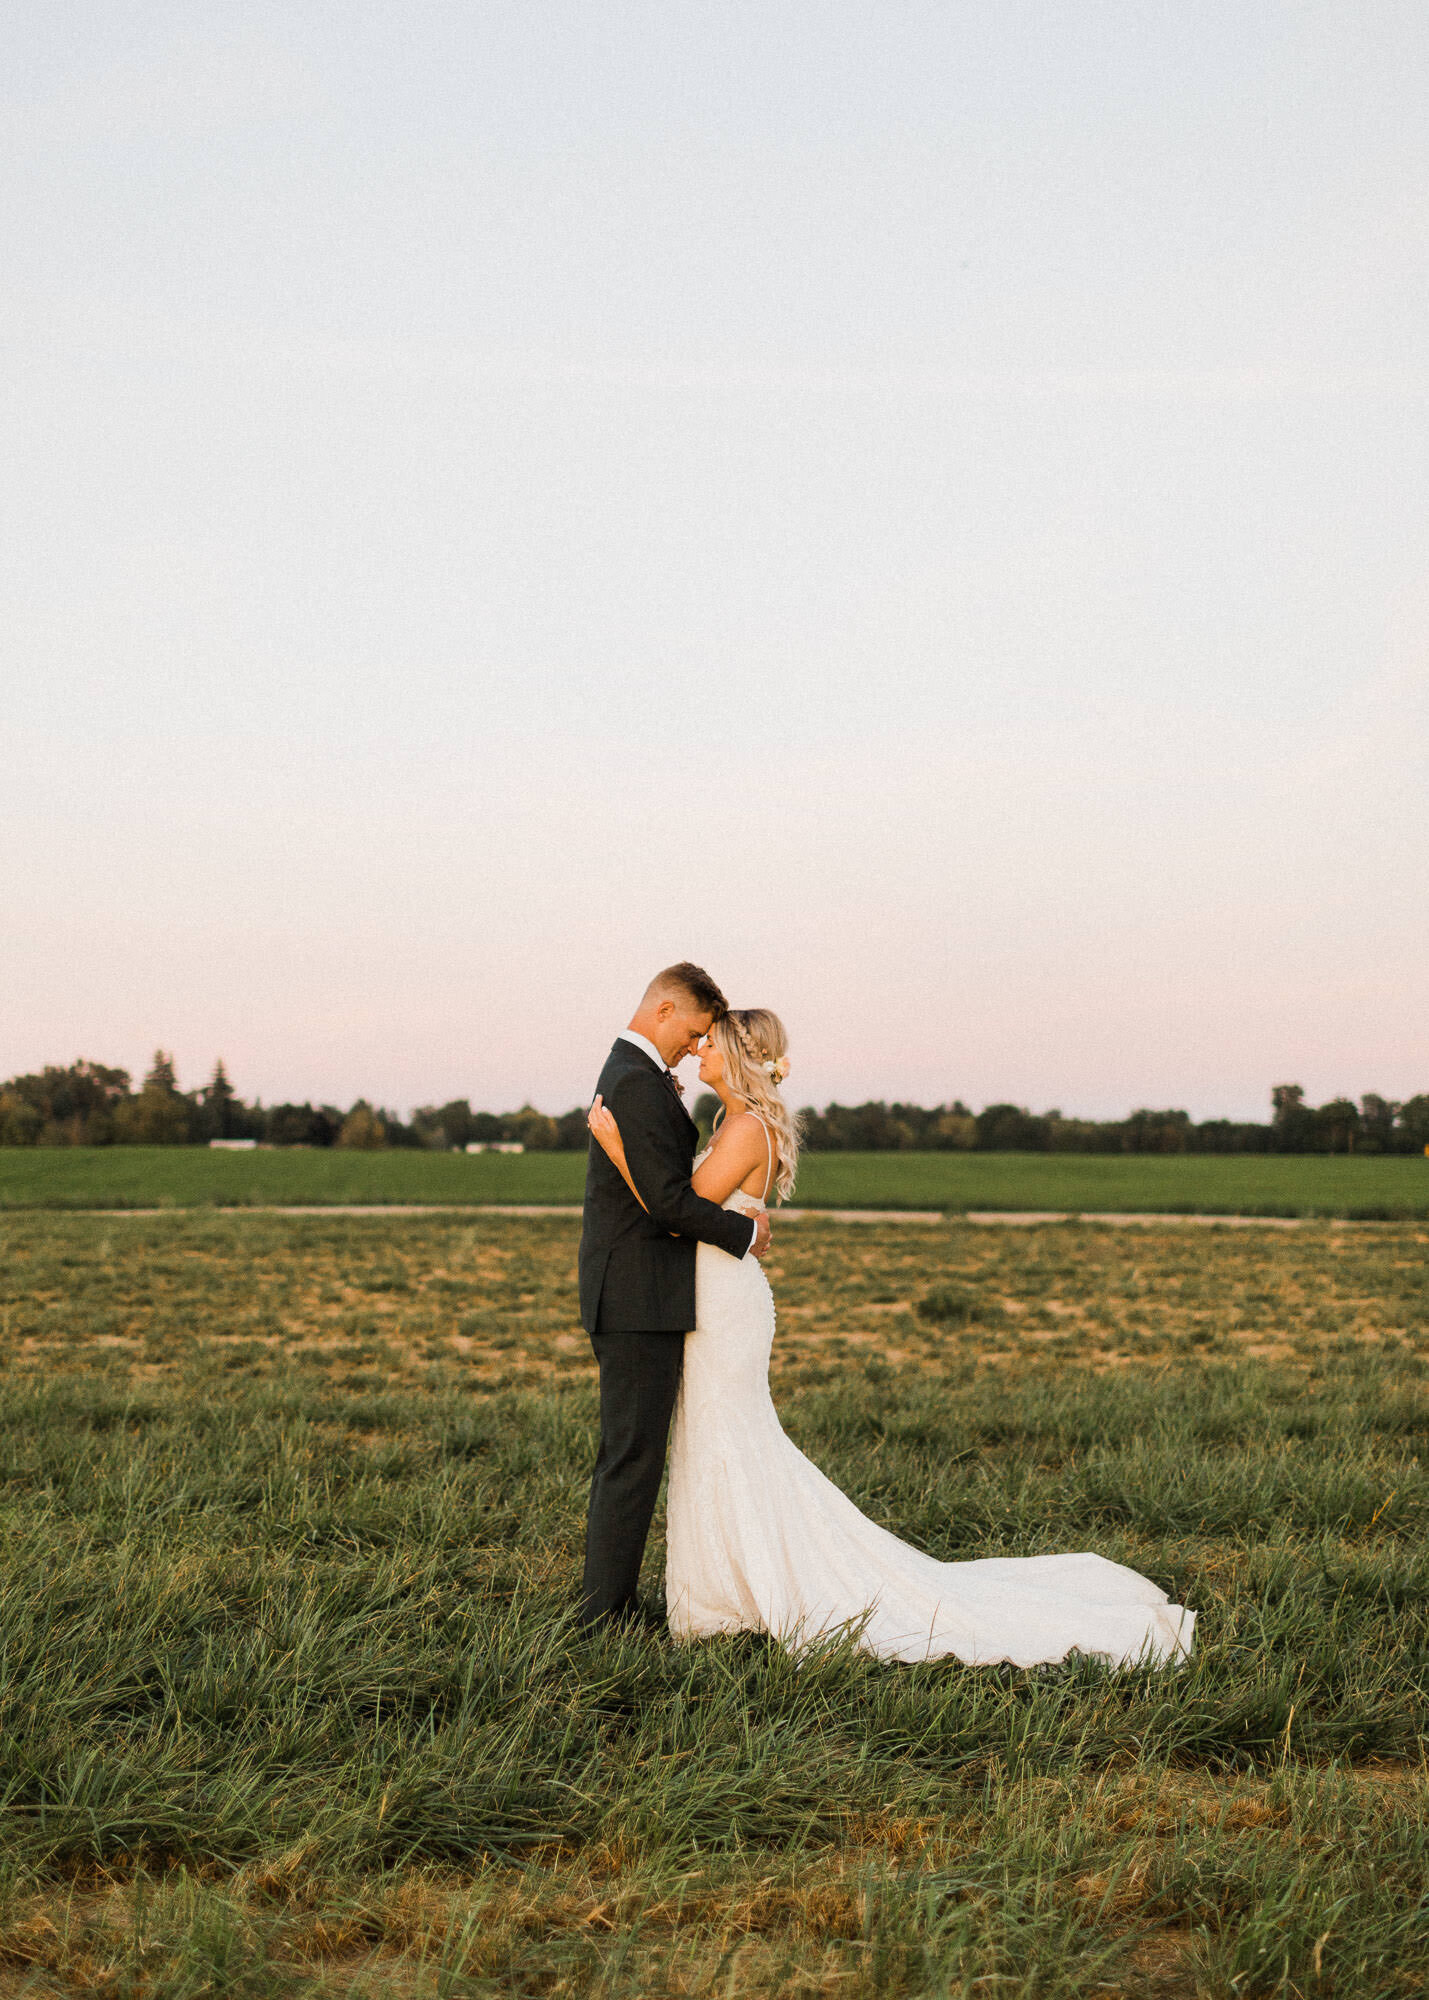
(756, 1060)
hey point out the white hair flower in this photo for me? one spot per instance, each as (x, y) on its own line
(776, 1067)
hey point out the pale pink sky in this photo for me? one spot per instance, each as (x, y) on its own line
(925, 513)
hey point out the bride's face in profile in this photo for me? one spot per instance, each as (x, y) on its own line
(711, 1064)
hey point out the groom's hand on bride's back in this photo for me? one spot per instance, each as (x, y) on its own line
(761, 1234)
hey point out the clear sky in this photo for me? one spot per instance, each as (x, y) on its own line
(923, 508)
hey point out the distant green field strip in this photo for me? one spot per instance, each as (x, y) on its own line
(1242, 1184)
(1070, 1183)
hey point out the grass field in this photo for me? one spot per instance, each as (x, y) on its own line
(1246, 1184)
(289, 1703)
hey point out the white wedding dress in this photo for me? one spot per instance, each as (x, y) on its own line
(758, 1540)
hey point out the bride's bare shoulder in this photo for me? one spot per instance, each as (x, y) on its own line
(738, 1133)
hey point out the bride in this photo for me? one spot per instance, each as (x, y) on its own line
(757, 1538)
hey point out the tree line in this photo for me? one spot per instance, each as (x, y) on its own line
(1375, 1125)
(92, 1104)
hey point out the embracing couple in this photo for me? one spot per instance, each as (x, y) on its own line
(681, 1318)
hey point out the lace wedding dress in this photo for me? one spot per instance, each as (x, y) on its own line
(759, 1540)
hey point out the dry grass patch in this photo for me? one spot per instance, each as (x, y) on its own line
(493, 1299)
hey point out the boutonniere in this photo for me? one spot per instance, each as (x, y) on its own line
(672, 1078)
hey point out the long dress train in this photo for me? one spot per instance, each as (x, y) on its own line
(759, 1540)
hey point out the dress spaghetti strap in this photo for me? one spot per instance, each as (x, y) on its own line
(769, 1149)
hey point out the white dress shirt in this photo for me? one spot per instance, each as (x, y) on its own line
(648, 1048)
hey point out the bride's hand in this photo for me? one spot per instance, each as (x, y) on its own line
(605, 1130)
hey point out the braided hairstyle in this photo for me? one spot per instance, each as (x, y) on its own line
(755, 1049)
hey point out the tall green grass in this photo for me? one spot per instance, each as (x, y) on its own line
(290, 1699)
(252, 1625)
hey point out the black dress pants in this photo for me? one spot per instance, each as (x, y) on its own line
(639, 1380)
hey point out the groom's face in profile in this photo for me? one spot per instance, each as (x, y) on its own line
(680, 1027)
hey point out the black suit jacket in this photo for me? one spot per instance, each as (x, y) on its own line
(635, 1275)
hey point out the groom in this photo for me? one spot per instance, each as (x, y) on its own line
(637, 1274)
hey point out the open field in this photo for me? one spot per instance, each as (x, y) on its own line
(288, 1704)
(1245, 1184)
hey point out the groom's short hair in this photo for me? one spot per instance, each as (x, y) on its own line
(693, 983)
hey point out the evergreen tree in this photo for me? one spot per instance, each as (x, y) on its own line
(162, 1076)
(222, 1111)
(160, 1115)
